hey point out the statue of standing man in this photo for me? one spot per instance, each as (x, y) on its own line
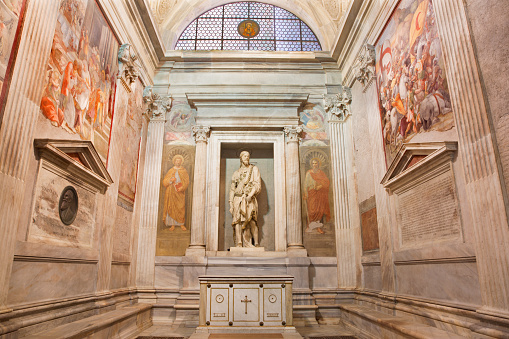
(246, 184)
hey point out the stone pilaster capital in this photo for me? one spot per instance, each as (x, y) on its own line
(338, 105)
(201, 133)
(129, 68)
(292, 133)
(365, 65)
(156, 105)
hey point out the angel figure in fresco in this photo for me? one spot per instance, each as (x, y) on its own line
(176, 181)
(316, 195)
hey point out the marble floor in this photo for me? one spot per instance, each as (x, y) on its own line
(318, 332)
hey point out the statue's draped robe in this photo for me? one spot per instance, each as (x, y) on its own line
(175, 196)
(245, 180)
(317, 199)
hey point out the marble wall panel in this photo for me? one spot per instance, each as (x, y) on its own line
(372, 277)
(119, 275)
(36, 281)
(168, 276)
(122, 231)
(323, 273)
(46, 225)
(453, 281)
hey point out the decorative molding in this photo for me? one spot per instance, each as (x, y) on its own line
(77, 158)
(292, 133)
(365, 66)
(129, 68)
(156, 106)
(338, 105)
(201, 133)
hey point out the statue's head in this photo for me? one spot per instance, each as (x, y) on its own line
(244, 157)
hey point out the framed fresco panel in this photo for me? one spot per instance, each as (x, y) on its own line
(81, 74)
(413, 93)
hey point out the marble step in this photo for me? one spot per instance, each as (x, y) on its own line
(122, 323)
(364, 318)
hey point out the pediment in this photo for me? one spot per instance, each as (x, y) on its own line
(76, 158)
(415, 159)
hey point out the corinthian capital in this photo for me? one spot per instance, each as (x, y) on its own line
(292, 133)
(129, 69)
(365, 65)
(201, 133)
(156, 106)
(338, 105)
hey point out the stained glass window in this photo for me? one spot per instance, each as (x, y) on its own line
(248, 25)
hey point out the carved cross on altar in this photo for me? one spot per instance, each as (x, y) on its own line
(246, 300)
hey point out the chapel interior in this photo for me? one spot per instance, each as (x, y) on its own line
(254, 169)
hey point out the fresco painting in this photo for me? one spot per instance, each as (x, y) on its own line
(317, 201)
(314, 123)
(81, 74)
(414, 97)
(179, 123)
(10, 12)
(131, 144)
(175, 198)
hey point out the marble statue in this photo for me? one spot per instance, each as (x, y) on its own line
(245, 186)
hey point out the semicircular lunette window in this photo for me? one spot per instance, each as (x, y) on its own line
(248, 25)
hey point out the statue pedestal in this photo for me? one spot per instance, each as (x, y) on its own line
(248, 251)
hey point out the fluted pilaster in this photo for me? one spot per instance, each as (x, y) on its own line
(478, 156)
(340, 128)
(293, 194)
(150, 202)
(17, 125)
(197, 246)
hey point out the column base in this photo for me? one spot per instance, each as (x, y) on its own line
(195, 251)
(297, 251)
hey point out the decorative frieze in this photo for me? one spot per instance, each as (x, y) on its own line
(156, 106)
(365, 65)
(292, 133)
(338, 105)
(201, 133)
(129, 69)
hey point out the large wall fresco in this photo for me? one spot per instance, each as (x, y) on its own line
(10, 13)
(81, 74)
(131, 143)
(176, 185)
(410, 69)
(316, 183)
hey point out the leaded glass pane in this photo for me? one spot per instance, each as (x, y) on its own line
(259, 10)
(231, 29)
(289, 46)
(234, 45)
(279, 30)
(261, 45)
(208, 45)
(210, 28)
(266, 29)
(283, 14)
(214, 13)
(185, 44)
(236, 10)
(287, 29)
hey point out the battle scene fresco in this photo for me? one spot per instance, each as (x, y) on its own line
(413, 93)
(131, 143)
(317, 202)
(10, 12)
(81, 74)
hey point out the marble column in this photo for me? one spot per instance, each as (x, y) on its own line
(147, 233)
(197, 246)
(347, 232)
(478, 153)
(293, 193)
(17, 122)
